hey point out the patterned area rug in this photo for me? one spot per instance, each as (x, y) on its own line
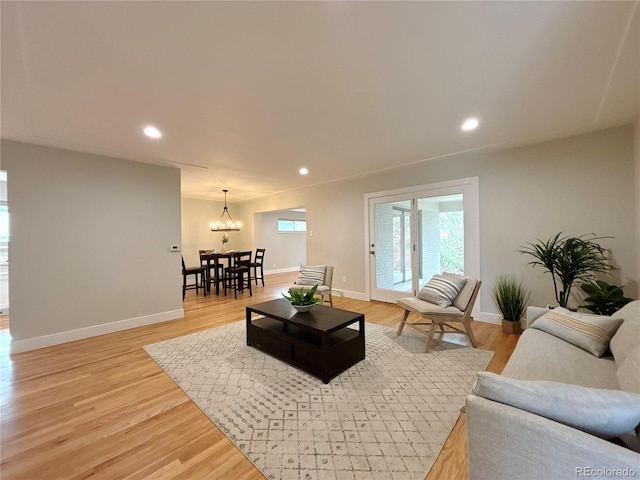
(386, 417)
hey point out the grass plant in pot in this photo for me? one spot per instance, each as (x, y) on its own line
(301, 300)
(511, 296)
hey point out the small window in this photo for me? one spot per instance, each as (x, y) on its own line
(291, 226)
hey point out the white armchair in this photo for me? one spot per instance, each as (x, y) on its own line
(306, 280)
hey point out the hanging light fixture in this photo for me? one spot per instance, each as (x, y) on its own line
(225, 224)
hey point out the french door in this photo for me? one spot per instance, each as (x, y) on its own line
(418, 232)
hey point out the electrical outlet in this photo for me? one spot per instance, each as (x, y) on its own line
(344, 279)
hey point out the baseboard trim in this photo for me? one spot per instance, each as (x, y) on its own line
(352, 294)
(18, 346)
(488, 318)
(281, 270)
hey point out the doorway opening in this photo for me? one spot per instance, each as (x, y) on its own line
(417, 232)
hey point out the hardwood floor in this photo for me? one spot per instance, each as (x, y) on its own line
(101, 408)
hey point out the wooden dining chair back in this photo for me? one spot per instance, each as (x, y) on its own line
(238, 275)
(216, 270)
(257, 265)
(198, 273)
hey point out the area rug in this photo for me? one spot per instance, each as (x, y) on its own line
(386, 417)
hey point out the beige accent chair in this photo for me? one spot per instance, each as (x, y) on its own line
(324, 289)
(435, 315)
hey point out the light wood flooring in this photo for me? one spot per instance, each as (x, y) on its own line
(101, 408)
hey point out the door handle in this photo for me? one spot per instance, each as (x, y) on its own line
(372, 252)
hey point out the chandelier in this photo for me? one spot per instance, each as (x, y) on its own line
(225, 224)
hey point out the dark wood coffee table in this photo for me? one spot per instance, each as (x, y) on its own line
(317, 342)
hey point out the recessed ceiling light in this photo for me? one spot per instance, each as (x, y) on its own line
(152, 132)
(470, 124)
(304, 171)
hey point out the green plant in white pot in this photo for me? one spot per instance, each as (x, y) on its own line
(511, 296)
(301, 300)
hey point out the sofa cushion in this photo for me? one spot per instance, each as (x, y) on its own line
(589, 332)
(628, 373)
(540, 356)
(305, 288)
(605, 413)
(311, 275)
(425, 308)
(442, 290)
(628, 335)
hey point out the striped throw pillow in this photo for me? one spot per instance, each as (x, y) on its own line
(441, 290)
(586, 331)
(311, 275)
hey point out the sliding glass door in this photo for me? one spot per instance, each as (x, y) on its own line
(416, 234)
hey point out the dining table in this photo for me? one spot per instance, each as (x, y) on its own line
(216, 258)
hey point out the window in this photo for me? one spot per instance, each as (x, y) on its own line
(291, 226)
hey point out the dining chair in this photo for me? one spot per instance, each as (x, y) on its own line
(195, 271)
(216, 270)
(257, 264)
(234, 275)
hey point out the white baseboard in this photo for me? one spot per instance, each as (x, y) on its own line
(281, 270)
(27, 344)
(352, 294)
(488, 318)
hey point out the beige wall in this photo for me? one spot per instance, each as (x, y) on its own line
(575, 185)
(197, 214)
(90, 244)
(637, 177)
(284, 251)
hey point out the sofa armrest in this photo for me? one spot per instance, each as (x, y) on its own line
(507, 443)
(533, 313)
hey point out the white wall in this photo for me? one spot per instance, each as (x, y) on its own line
(284, 251)
(90, 240)
(576, 185)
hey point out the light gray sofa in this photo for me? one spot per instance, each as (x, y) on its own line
(505, 442)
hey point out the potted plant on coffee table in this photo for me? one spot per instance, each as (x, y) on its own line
(511, 296)
(301, 300)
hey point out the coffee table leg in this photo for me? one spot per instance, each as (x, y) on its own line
(248, 326)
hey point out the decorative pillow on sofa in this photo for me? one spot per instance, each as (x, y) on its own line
(441, 290)
(605, 413)
(311, 275)
(589, 332)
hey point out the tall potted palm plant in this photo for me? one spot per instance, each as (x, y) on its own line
(569, 260)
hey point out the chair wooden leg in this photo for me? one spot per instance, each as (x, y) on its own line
(402, 322)
(432, 330)
(467, 326)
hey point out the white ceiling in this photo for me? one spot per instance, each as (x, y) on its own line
(255, 90)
